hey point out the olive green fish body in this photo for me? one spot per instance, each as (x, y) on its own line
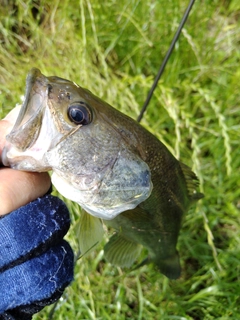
(109, 164)
(156, 222)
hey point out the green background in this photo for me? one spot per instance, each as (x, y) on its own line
(114, 48)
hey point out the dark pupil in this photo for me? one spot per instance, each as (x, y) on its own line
(79, 114)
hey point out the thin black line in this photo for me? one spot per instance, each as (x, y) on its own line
(165, 60)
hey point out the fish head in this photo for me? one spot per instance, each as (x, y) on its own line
(84, 141)
(39, 125)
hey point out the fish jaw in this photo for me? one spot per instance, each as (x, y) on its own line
(34, 132)
(32, 158)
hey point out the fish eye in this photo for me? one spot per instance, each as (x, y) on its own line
(80, 113)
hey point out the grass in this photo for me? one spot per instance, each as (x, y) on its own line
(114, 48)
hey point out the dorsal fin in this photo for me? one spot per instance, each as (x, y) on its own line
(191, 182)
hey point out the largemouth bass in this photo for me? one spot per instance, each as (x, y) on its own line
(116, 170)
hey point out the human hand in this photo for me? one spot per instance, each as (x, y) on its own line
(36, 264)
(18, 188)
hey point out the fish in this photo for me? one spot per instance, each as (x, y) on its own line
(120, 174)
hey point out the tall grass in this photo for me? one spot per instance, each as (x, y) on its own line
(114, 48)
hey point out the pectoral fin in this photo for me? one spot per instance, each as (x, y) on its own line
(121, 252)
(90, 232)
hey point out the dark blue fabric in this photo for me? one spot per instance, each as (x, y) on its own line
(35, 263)
(31, 227)
(36, 279)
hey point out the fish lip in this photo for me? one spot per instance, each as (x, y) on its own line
(33, 74)
(4, 159)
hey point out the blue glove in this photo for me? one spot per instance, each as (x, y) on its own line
(36, 264)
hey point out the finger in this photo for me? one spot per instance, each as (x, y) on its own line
(6, 125)
(18, 188)
(13, 114)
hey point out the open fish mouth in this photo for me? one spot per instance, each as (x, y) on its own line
(30, 137)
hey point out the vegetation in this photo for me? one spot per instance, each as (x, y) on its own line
(114, 48)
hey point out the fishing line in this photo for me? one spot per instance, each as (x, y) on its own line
(165, 60)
